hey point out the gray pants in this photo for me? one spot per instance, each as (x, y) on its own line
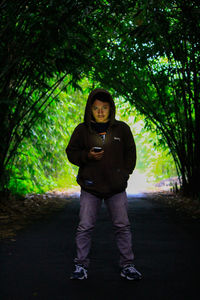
(89, 208)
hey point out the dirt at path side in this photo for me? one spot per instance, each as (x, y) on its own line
(184, 206)
(15, 215)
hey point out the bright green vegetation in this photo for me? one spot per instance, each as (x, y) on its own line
(153, 160)
(41, 163)
(144, 52)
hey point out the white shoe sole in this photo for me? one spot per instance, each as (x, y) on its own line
(130, 278)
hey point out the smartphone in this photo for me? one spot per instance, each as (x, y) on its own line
(97, 149)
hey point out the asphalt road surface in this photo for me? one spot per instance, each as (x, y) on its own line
(38, 264)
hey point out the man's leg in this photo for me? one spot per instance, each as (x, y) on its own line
(89, 207)
(117, 206)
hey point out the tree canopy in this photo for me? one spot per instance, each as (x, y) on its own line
(155, 64)
(42, 43)
(145, 51)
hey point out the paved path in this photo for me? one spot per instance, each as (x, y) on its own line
(38, 264)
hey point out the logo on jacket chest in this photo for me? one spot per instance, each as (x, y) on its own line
(116, 138)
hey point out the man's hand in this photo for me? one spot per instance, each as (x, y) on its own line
(95, 155)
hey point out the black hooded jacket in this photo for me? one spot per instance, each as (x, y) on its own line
(109, 175)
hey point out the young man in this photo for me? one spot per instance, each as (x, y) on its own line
(104, 150)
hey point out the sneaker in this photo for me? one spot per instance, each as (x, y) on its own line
(130, 273)
(79, 273)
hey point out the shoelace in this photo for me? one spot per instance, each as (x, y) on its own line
(131, 269)
(79, 268)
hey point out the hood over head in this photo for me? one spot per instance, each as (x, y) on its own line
(88, 108)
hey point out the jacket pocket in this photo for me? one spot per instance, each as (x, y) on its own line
(119, 178)
(85, 176)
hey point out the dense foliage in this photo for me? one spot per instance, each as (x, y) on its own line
(155, 65)
(145, 51)
(42, 43)
(41, 163)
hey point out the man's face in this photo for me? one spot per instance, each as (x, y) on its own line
(101, 111)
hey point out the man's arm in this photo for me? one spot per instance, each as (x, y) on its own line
(130, 150)
(76, 151)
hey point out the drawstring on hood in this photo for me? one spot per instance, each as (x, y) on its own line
(88, 108)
